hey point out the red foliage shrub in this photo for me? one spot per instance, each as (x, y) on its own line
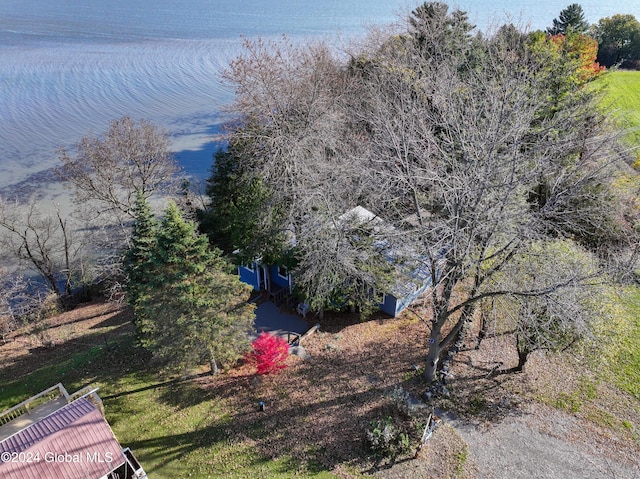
(270, 353)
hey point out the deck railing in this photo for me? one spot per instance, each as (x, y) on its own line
(25, 407)
(54, 392)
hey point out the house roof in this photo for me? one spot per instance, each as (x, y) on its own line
(74, 442)
(412, 271)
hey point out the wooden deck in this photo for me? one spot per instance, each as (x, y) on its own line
(33, 416)
(40, 406)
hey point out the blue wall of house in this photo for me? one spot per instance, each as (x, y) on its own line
(404, 302)
(250, 276)
(276, 278)
(389, 305)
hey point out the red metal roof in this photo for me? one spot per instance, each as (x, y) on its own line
(75, 442)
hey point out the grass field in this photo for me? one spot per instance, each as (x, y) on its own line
(626, 363)
(622, 99)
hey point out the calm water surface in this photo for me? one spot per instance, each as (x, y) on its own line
(67, 67)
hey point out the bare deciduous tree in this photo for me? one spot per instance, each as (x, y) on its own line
(460, 147)
(107, 171)
(42, 240)
(475, 157)
(566, 313)
(14, 302)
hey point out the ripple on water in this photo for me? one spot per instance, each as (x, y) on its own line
(52, 96)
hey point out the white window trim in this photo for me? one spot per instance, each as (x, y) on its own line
(286, 275)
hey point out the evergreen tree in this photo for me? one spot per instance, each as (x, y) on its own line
(570, 20)
(137, 259)
(440, 34)
(193, 309)
(231, 219)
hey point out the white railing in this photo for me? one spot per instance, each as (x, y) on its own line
(25, 407)
(54, 392)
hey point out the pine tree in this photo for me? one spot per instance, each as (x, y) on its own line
(137, 259)
(193, 310)
(570, 20)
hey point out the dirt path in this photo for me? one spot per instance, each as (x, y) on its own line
(543, 443)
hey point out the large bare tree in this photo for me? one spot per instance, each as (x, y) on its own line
(107, 171)
(457, 142)
(43, 240)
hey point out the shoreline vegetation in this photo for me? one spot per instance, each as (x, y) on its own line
(485, 161)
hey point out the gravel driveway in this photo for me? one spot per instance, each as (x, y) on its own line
(544, 444)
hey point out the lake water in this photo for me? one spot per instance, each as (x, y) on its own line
(67, 67)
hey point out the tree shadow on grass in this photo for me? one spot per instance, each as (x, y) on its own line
(319, 410)
(164, 451)
(119, 319)
(174, 447)
(48, 355)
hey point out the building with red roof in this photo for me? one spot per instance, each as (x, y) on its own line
(57, 435)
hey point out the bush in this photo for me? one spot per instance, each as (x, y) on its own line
(400, 400)
(7, 326)
(269, 353)
(387, 439)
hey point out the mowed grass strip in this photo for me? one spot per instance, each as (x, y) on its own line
(622, 100)
(626, 366)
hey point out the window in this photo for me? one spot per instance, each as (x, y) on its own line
(282, 272)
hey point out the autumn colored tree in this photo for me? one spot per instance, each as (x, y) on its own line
(565, 62)
(269, 353)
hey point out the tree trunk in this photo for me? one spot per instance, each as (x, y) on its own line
(522, 360)
(523, 355)
(433, 356)
(213, 365)
(432, 361)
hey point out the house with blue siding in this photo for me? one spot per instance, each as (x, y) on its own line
(411, 282)
(274, 279)
(412, 278)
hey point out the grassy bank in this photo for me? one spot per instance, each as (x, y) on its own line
(622, 100)
(313, 426)
(318, 409)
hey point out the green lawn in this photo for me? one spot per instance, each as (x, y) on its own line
(626, 363)
(622, 99)
(176, 428)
